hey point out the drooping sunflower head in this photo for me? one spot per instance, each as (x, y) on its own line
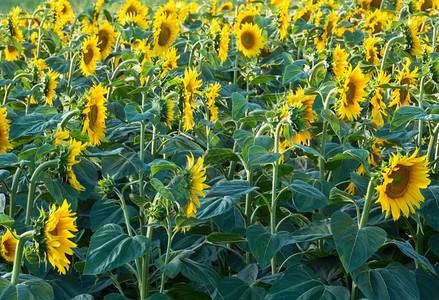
(167, 112)
(106, 38)
(58, 229)
(306, 102)
(64, 11)
(166, 30)
(188, 115)
(11, 53)
(411, 34)
(5, 144)
(69, 150)
(406, 78)
(376, 102)
(13, 25)
(284, 20)
(249, 40)
(224, 43)
(90, 54)
(401, 184)
(305, 13)
(339, 62)
(352, 92)
(226, 7)
(191, 83)
(328, 27)
(171, 61)
(371, 50)
(97, 11)
(8, 244)
(211, 94)
(133, 11)
(95, 114)
(196, 174)
(49, 85)
(214, 7)
(36, 68)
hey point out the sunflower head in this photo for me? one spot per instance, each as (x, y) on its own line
(411, 34)
(249, 40)
(95, 114)
(167, 112)
(106, 38)
(166, 30)
(224, 43)
(338, 62)
(191, 83)
(90, 54)
(401, 184)
(226, 7)
(406, 78)
(69, 150)
(4, 131)
(244, 17)
(13, 25)
(171, 61)
(8, 244)
(11, 52)
(49, 85)
(133, 11)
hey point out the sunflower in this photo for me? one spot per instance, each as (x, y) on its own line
(224, 43)
(352, 92)
(188, 116)
(247, 16)
(167, 112)
(305, 13)
(61, 136)
(106, 39)
(171, 61)
(376, 21)
(376, 102)
(402, 181)
(75, 148)
(197, 176)
(371, 50)
(4, 131)
(401, 97)
(211, 94)
(284, 20)
(226, 7)
(411, 34)
(168, 9)
(339, 62)
(97, 11)
(64, 11)
(13, 25)
(425, 5)
(11, 53)
(59, 228)
(133, 11)
(249, 40)
(90, 54)
(165, 33)
(328, 26)
(95, 113)
(8, 244)
(50, 84)
(191, 84)
(214, 7)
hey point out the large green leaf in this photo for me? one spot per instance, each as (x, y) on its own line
(428, 285)
(236, 289)
(265, 245)
(220, 237)
(355, 246)
(216, 206)
(258, 155)
(430, 208)
(230, 188)
(110, 248)
(404, 115)
(32, 124)
(106, 213)
(29, 289)
(408, 250)
(306, 197)
(314, 231)
(299, 282)
(173, 267)
(199, 272)
(394, 282)
(239, 105)
(433, 243)
(218, 156)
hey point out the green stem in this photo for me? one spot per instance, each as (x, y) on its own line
(315, 69)
(19, 251)
(32, 185)
(154, 141)
(247, 212)
(14, 189)
(67, 117)
(324, 134)
(39, 36)
(387, 50)
(367, 203)
(168, 249)
(433, 42)
(433, 142)
(421, 103)
(71, 70)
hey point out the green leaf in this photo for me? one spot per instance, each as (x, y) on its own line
(306, 197)
(408, 250)
(262, 78)
(116, 151)
(357, 154)
(404, 115)
(44, 149)
(4, 174)
(239, 105)
(314, 231)
(236, 289)
(215, 206)
(32, 124)
(219, 237)
(110, 248)
(430, 208)
(308, 150)
(394, 282)
(433, 243)
(105, 213)
(133, 115)
(355, 246)
(428, 285)
(337, 196)
(6, 221)
(299, 282)
(341, 128)
(9, 160)
(159, 296)
(265, 245)
(161, 164)
(199, 272)
(58, 64)
(258, 155)
(60, 190)
(29, 289)
(218, 156)
(230, 188)
(173, 267)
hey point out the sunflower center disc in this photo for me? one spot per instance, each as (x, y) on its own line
(404, 94)
(88, 55)
(164, 36)
(401, 177)
(248, 19)
(102, 39)
(93, 115)
(132, 11)
(350, 94)
(247, 40)
(11, 49)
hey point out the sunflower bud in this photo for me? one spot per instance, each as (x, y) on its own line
(106, 185)
(157, 211)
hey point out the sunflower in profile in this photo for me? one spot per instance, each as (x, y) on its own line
(339, 62)
(13, 25)
(376, 21)
(58, 228)
(133, 11)
(188, 116)
(305, 13)
(106, 39)
(90, 54)
(352, 92)
(401, 97)
(284, 20)
(402, 181)
(191, 84)
(376, 102)
(95, 113)
(214, 7)
(64, 11)
(72, 149)
(171, 61)
(50, 83)
(211, 94)
(224, 43)
(166, 30)
(167, 112)
(249, 40)
(11, 53)
(328, 27)
(425, 5)
(8, 244)
(411, 34)
(226, 7)
(197, 176)
(371, 50)
(4, 131)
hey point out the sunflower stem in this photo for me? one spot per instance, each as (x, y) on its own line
(168, 249)
(37, 56)
(324, 134)
(367, 203)
(421, 104)
(315, 69)
(33, 183)
(14, 189)
(19, 252)
(247, 212)
(71, 71)
(433, 42)
(387, 50)
(67, 117)
(433, 142)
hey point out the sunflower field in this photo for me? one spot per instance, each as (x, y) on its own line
(269, 149)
